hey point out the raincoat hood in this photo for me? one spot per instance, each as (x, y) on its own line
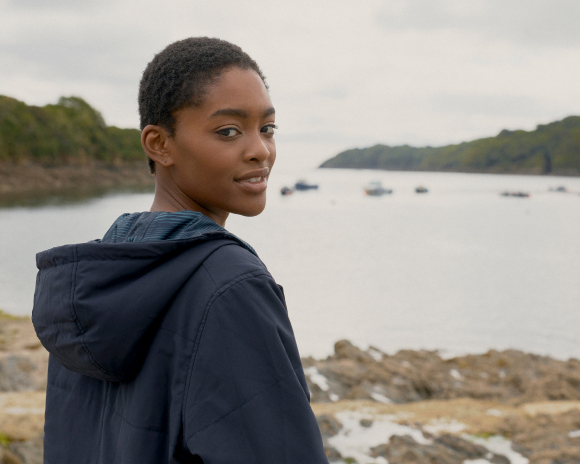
(170, 342)
(96, 303)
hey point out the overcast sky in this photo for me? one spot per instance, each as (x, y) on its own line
(342, 74)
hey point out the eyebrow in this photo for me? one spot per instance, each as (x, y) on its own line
(269, 112)
(240, 113)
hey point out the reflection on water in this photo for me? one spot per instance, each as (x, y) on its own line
(460, 268)
(66, 197)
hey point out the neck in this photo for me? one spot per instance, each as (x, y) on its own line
(169, 197)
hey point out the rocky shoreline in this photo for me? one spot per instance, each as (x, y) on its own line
(510, 376)
(27, 182)
(372, 408)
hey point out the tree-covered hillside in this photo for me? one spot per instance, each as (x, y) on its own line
(70, 131)
(551, 148)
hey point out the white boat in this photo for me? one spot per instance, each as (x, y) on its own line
(375, 189)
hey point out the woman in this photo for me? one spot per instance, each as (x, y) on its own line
(169, 340)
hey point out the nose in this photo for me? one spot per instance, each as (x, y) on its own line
(259, 149)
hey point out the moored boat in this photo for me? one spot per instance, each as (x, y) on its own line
(515, 194)
(561, 189)
(303, 185)
(375, 189)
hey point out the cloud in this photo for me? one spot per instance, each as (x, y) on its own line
(57, 4)
(488, 105)
(389, 71)
(531, 23)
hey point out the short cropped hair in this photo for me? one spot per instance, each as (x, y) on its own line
(178, 77)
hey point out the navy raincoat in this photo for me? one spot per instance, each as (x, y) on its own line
(169, 342)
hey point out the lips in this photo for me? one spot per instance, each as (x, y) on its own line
(254, 174)
(254, 181)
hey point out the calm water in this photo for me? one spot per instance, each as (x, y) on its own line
(460, 269)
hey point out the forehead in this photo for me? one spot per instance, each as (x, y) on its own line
(237, 88)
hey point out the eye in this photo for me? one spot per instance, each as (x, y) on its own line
(269, 129)
(229, 132)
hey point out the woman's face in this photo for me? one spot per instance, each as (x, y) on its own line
(223, 151)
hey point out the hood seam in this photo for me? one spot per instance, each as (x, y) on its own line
(76, 317)
(140, 234)
(213, 235)
(93, 361)
(78, 322)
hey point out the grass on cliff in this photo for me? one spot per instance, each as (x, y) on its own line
(4, 440)
(11, 317)
(70, 131)
(550, 148)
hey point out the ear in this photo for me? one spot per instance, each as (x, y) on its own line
(154, 141)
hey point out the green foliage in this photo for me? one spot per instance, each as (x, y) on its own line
(70, 131)
(7, 316)
(551, 148)
(4, 440)
(127, 143)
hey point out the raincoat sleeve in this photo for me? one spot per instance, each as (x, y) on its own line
(246, 398)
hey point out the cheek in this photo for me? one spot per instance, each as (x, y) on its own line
(218, 166)
(213, 175)
(272, 149)
(202, 159)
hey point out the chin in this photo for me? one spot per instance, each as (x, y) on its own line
(251, 211)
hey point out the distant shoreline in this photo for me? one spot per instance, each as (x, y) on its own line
(549, 149)
(556, 173)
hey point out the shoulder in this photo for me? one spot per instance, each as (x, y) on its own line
(233, 262)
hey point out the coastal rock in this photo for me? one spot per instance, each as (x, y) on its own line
(508, 376)
(530, 400)
(464, 447)
(329, 426)
(332, 454)
(8, 457)
(15, 374)
(23, 360)
(405, 450)
(21, 415)
(366, 423)
(344, 349)
(459, 430)
(469, 450)
(547, 439)
(447, 449)
(29, 451)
